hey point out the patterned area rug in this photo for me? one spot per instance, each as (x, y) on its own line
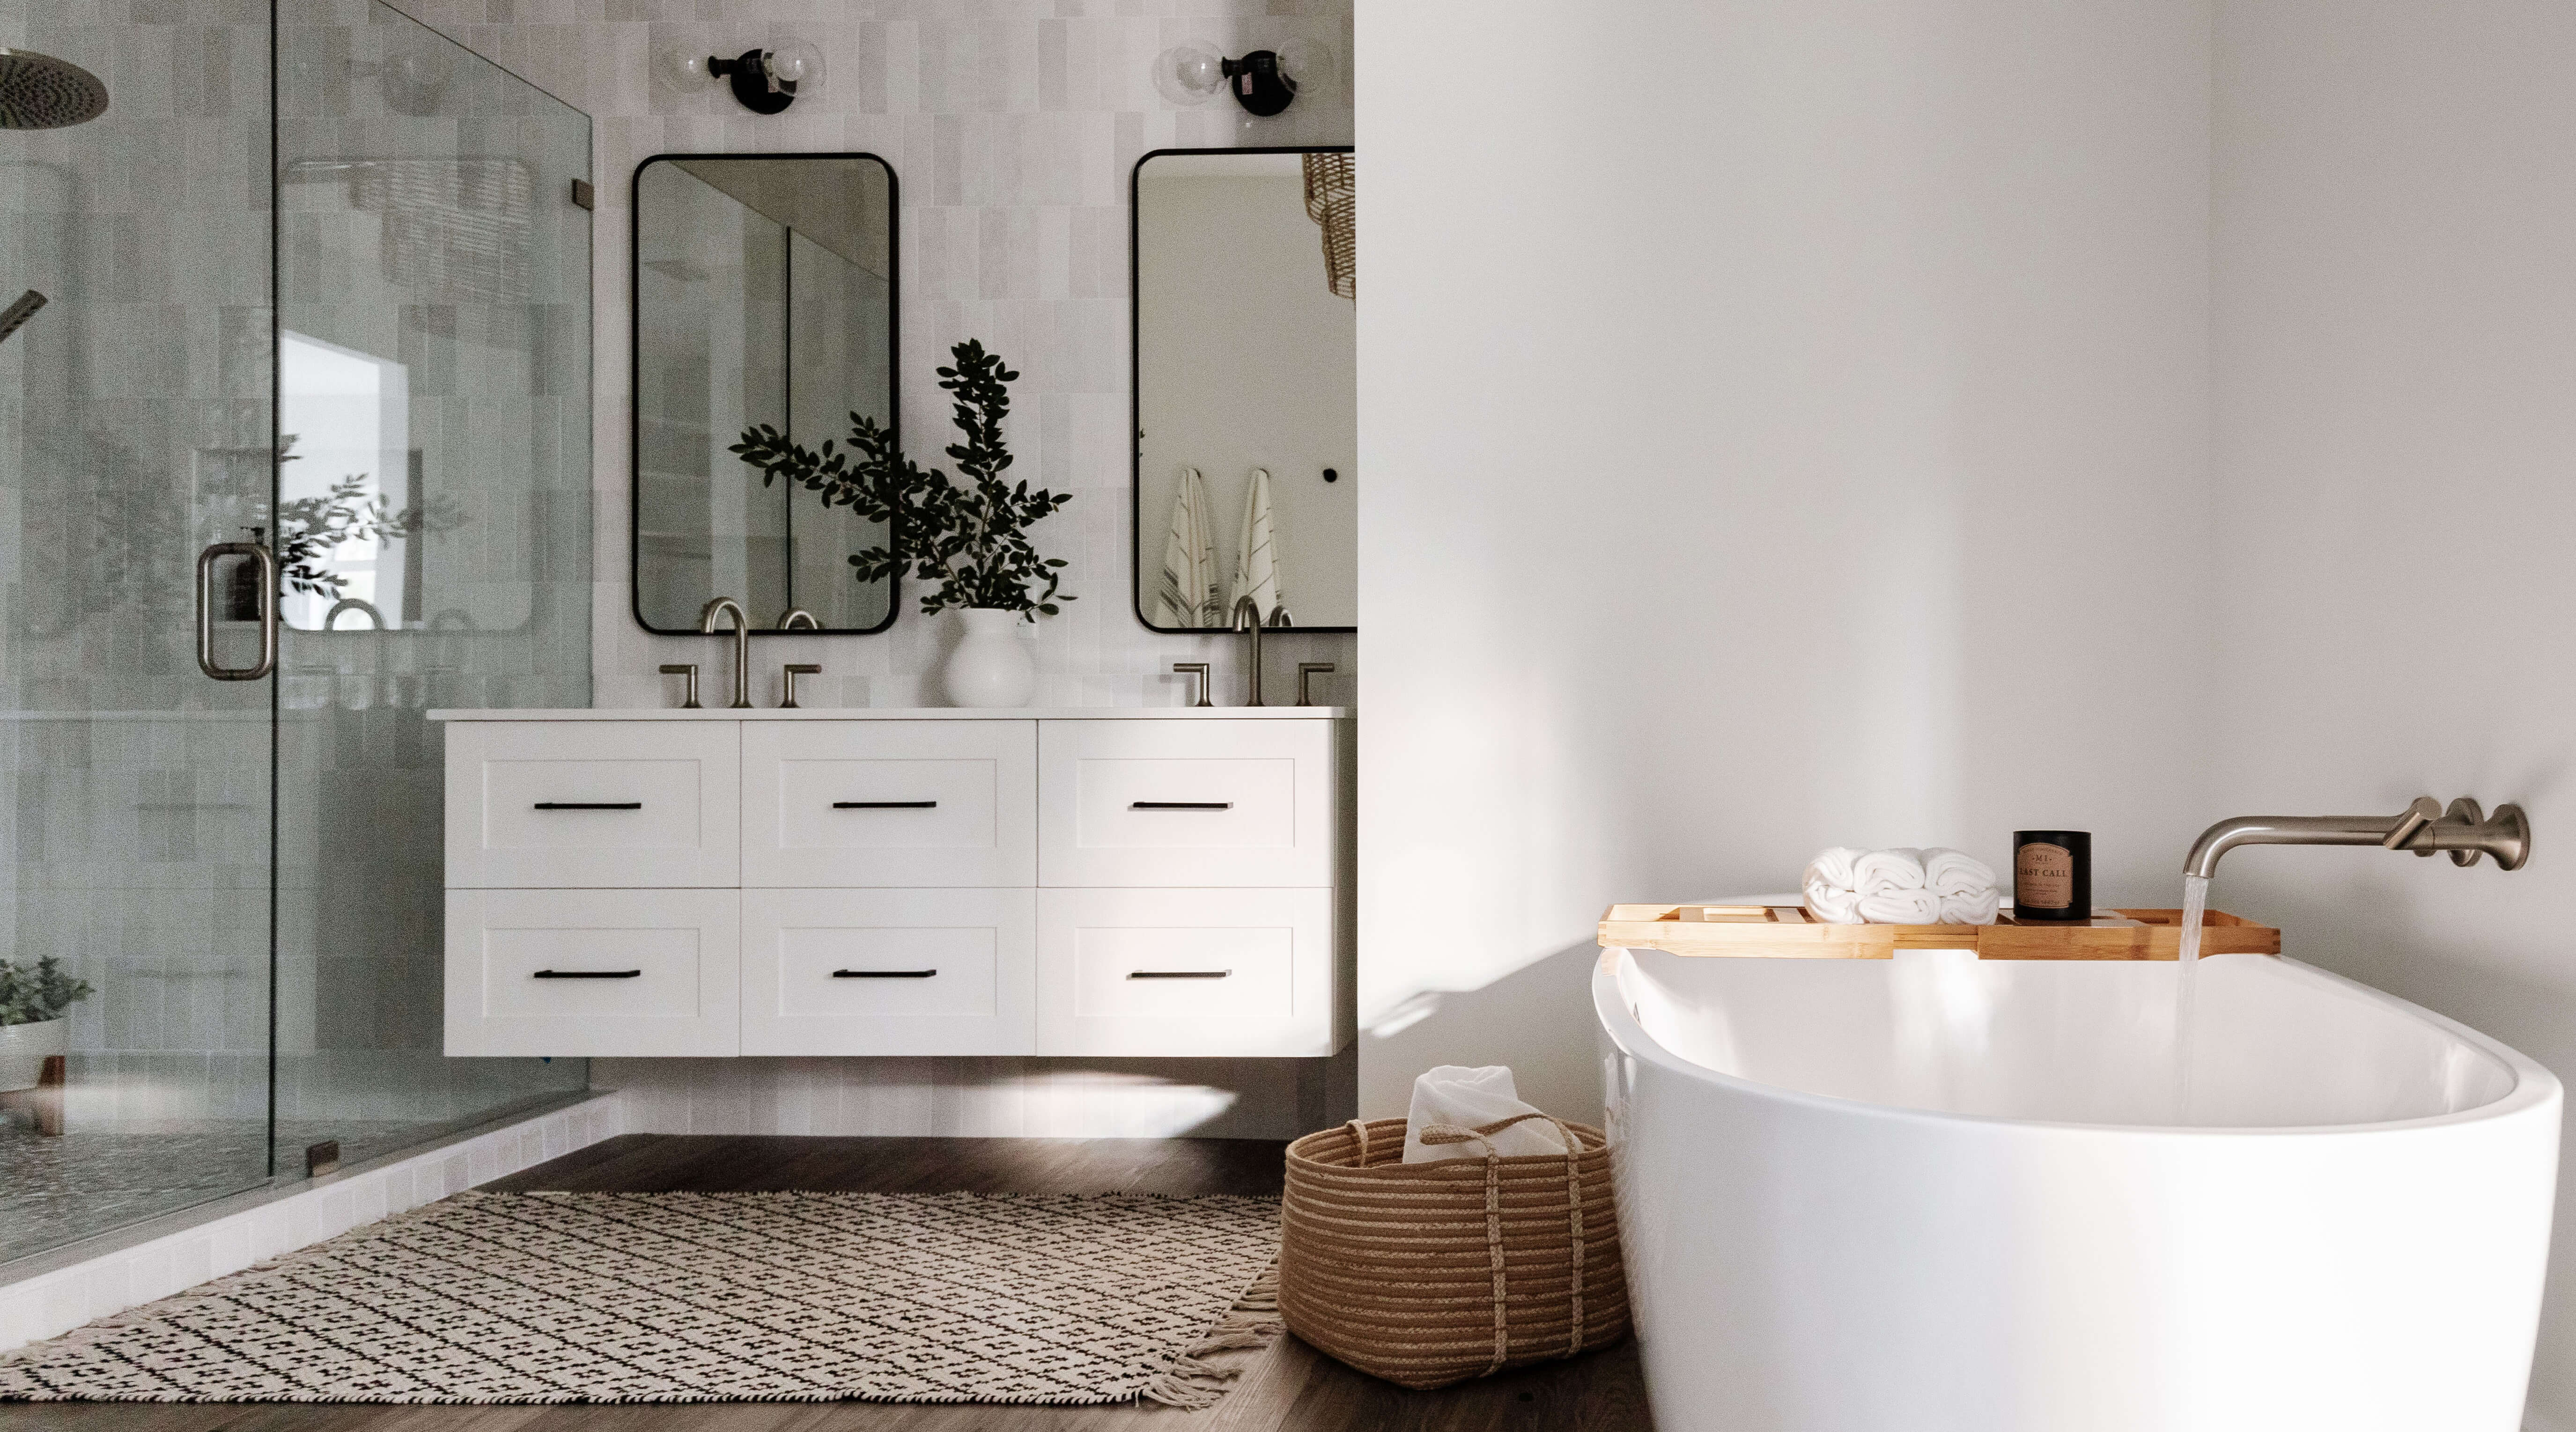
(725, 1297)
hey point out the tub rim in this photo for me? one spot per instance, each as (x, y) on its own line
(2534, 1086)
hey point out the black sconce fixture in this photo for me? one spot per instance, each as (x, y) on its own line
(767, 81)
(1264, 82)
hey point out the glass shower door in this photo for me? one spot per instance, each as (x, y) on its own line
(434, 502)
(135, 429)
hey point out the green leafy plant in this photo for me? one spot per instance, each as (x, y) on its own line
(32, 994)
(966, 538)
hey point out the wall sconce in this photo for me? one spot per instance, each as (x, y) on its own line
(1264, 82)
(767, 81)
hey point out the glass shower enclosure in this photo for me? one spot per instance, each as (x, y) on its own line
(296, 449)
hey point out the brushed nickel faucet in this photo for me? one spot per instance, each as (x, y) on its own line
(798, 619)
(723, 606)
(2425, 827)
(1247, 618)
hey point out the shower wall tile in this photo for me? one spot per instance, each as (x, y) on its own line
(1012, 126)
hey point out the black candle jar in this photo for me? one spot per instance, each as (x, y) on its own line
(2052, 875)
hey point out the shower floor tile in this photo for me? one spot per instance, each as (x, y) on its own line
(91, 1180)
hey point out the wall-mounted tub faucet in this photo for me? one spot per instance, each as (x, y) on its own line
(2424, 828)
(724, 606)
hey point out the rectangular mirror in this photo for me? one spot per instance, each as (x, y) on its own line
(764, 294)
(1246, 388)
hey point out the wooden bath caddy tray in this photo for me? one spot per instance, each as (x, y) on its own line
(1788, 932)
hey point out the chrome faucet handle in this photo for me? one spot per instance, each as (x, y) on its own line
(1199, 671)
(793, 670)
(2466, 832)
(1305, 671)
(2413, 819)
(690, 671)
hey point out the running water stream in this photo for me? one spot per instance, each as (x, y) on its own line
(2195, 907)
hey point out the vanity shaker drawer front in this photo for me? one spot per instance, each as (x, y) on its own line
(889, 972)
(1185, 803)
(889, 803)
(1185, 972)
(592, 972)
(591, 804)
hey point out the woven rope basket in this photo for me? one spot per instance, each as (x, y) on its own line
(1429, 1274)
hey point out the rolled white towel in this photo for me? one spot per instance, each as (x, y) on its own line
(1917, 906)
(1949, 872)
(1976, 909)
(1833, 904)
(1837, 868)
(1464, 1098)
(1884, 871)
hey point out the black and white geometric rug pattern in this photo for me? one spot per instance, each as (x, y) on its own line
(714, 1297)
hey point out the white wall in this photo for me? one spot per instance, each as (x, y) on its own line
(1803, 445)
(2395, 458)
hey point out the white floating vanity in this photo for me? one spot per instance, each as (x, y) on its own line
(1162, 881)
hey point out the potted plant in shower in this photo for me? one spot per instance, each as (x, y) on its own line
(35, 1002)
(964, 538)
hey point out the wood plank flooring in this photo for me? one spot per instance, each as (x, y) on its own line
(1287, 1387)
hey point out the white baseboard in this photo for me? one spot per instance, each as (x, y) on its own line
(239, 1232)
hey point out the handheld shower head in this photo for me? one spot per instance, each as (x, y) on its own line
(41, 92)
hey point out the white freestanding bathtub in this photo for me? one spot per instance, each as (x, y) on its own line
(1934, 1194)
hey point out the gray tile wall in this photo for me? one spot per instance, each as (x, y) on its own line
(1012, 128)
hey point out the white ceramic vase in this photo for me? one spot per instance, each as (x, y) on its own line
(992, 666)
(24, 1049)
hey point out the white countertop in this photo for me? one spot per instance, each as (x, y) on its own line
(912, 713)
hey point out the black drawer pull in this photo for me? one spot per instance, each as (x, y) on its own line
(1179, 974)
(590, 805)
(885, 805)
(587, 974)
(1180, 805)
(883, 974)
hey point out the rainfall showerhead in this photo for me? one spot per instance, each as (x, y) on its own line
(41, 92)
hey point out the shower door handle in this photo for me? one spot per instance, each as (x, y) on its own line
(267, 560)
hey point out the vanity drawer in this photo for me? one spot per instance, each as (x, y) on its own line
(1185, 972)
(889, 803)
(1185, 803)
(592, 972)
(591, 804)
(889, 971)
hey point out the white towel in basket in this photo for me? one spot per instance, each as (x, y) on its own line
(1465, 1098)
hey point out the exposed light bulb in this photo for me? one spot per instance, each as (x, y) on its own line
(1308, 67)
(795, 67)
(1191, 73)
(683, 67)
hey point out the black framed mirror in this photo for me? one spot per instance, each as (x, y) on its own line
(764, 293)
(1244, 388)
